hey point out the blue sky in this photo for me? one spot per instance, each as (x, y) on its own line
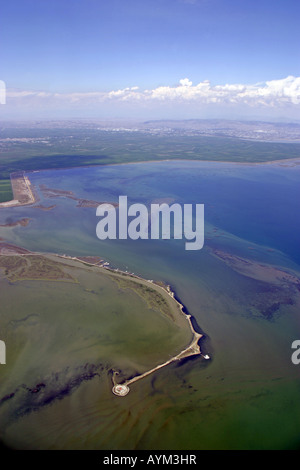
(69, 48)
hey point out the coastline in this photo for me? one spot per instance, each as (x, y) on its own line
(25, 195)
(193, 349)
(23, 192)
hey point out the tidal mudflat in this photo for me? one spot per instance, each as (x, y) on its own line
(67, 322)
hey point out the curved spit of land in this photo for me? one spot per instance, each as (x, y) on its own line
(122, 389)
(193, 349)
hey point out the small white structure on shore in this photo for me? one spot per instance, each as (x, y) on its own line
(120, 390)
(2, 353)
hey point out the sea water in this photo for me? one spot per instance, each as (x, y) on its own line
(247, 395)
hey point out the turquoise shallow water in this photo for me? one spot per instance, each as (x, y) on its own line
(247, 395)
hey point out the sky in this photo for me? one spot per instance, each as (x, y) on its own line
(177, 59)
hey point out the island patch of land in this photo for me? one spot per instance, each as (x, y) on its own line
(273, 287)
(53, 193)
(22, 222)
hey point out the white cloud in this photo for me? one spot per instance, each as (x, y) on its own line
(273, 93)
(185, 82)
